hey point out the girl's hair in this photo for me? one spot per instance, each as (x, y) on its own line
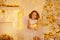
(30, 15)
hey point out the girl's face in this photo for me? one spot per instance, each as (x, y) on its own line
(34, 15)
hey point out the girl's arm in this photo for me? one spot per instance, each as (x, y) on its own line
(32, 27)
(28, 26)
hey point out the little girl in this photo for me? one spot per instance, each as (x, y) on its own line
(33, 25)
(33, 20)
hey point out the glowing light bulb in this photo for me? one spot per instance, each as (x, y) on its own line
(35, 26)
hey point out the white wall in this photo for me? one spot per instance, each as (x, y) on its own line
(8, 22)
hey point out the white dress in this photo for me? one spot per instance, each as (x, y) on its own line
(29, 34)
(33, 24)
